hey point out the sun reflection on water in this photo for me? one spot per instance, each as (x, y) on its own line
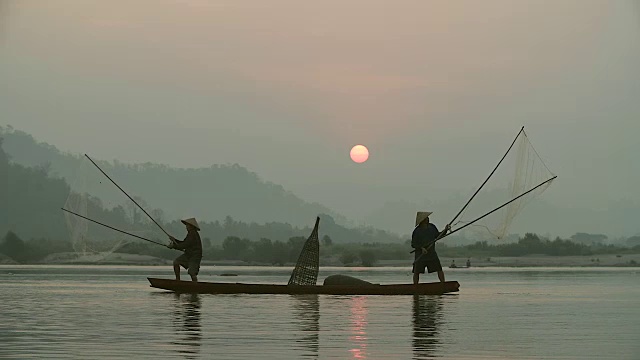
(358, 318)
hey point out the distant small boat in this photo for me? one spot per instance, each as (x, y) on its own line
(181, 286)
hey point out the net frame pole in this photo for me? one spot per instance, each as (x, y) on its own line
(443, 235)
(503, 205)
(130, 198)
(112, 228)
(488, 177)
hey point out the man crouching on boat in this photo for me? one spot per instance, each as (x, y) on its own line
(423, 241)
(192, 247)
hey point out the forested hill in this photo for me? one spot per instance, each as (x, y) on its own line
(31, 197)
(210, 193)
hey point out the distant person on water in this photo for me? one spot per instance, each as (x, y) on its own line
(453, 264)
(423, 241)
(192, 247)
(469, 262)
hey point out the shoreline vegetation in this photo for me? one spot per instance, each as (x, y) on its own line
(530, 250)
(37, 233)
(607, 260)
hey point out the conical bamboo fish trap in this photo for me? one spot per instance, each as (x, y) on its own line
(306, 270)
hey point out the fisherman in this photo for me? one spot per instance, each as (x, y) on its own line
(192, 247)
(453, 264)
(423, 241)
(468, 262)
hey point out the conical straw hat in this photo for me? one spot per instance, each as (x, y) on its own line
(421, 215)
(192, 222)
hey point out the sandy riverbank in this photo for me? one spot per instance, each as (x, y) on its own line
(538, 260)
(522, 261)
(70, 258)
(5, 260)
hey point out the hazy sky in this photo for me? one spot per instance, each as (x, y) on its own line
(436, 90)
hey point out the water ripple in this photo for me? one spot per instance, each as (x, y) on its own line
(111, 312)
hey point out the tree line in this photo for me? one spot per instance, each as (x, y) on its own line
(30, 208)
(31, 198)
(265, 251)
(34, 227)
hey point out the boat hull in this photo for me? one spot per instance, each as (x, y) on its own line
(241, 288)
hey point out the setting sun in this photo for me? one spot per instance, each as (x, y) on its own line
(359, 153)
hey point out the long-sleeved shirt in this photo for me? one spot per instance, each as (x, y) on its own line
(422, 237)
(192, 245)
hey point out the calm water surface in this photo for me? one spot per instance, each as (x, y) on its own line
(100, 312)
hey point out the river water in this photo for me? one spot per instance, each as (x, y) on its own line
(109, 312)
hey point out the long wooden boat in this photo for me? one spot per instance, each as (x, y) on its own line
(182, 286)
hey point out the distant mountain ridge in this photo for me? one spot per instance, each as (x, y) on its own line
(219, 191)
(210, 194)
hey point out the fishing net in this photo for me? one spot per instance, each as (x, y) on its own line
(521, 175)
(306, 270)
(93, 196)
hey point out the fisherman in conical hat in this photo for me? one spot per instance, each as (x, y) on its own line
(423, 241)
(192, 247)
